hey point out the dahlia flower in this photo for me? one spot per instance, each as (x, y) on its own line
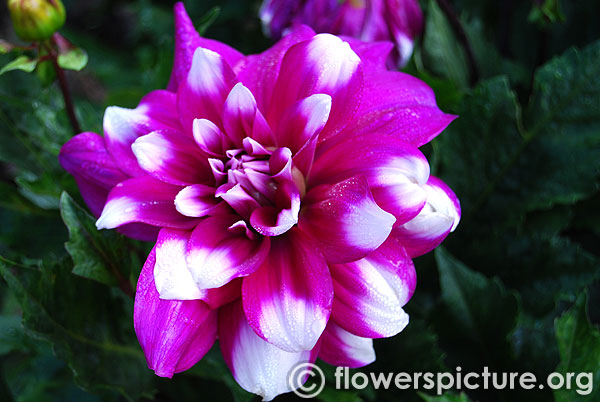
(397, 21)
(287, 197)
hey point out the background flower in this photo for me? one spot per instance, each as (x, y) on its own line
(397, 21)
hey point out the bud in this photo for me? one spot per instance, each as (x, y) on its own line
(36, 20)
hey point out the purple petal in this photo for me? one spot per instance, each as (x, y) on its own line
(396, 172)
(370, 293)
(218, 251)
(323, 64)
(288, 299)
(345, 220)
(143, 199)
(257, 366)
(276, 15)
(186, 42)
(171, 275)
(172, 157)
(398, 106)
(342, 348)
(241, 117)
(156, 111)
(196, 201)
(209, 137)
(374, 55)
(406, 22)
(86, 158)
(259, 72)
(174, 334)
(238, 199)
(303, 121)
(439, 217)
(274, 221)
(205, 89)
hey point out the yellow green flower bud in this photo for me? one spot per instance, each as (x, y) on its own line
(36, 20)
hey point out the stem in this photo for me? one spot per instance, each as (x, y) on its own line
(64, 88)
(462, 38)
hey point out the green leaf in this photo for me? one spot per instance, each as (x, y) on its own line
(448, 397)
(23, 63)
(207, 20)
(442, 53)
(73, 59)
(99, 255)
(81, 320)
(579, 347)
(481, 310)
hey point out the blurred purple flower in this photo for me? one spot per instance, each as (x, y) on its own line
(396, 21)
(289, 195)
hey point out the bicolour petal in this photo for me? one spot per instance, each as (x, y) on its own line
(86, 158)
(323, 64)
(196, 200)
(374, 55)
(439, 217)
(187, 41)
(398, 106)
(172, 277)
(278, 219)
(146, 200)
(288, 299)
(172, 157)
(203, 93)
(344, 219)
(303, 121)
(222, 248)
(156, 111)
(276, 15)
(395, 171)
(257, 366)
(342, 348)
(405, 22)
(370, 293)
(259, 72)
(241, 118)
(173, 334)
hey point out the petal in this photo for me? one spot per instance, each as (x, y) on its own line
(218, 251)
(370, 293)
(146, 200)
(205, 89)
(241, 117)
(259, 72)
(257, 366)
(196, 201)
(209, 137)
(274, 221)
(276, 15)
(288, 299)
(406, 22)
(323, 64)
(439, 217)
(86, 158)
(156, 111)
(171, 275)
(399, 106)
(396, 172)
(342, 348)
(374, 55)
(172, 157)
(238, 199)
(174, 334)
(345, 220)
(187, 41)
(303, 120)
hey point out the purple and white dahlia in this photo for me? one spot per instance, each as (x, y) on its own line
(286, 194)
(397, 21)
